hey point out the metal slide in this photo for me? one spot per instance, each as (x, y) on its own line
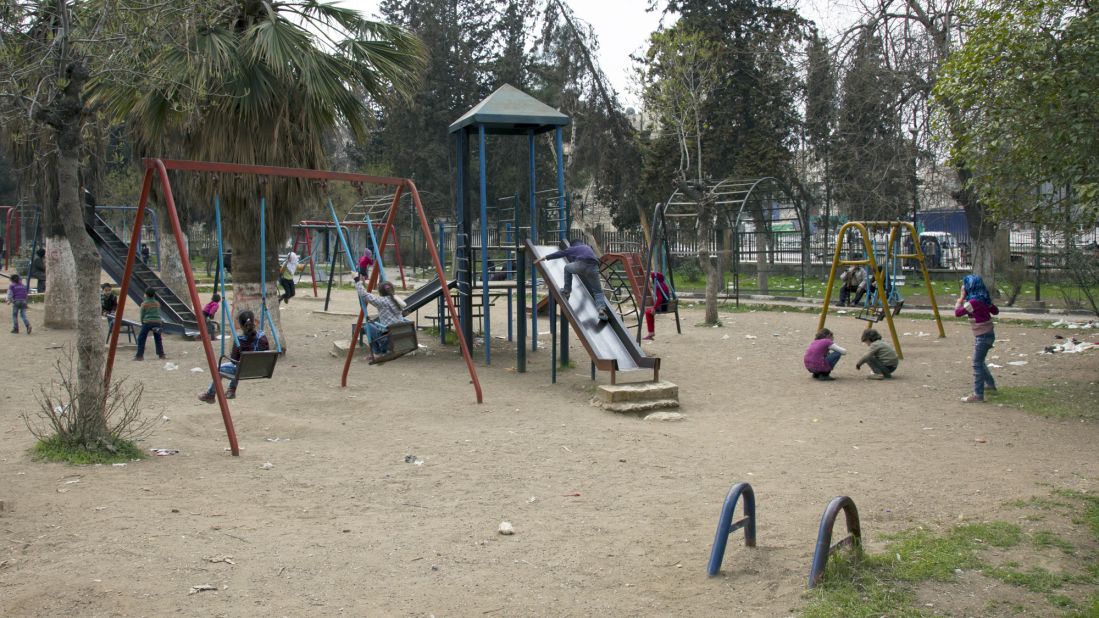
(425, 294)
(177, 315)
(609, 344)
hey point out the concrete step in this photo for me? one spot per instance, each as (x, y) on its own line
(628, 407)
(638, 392)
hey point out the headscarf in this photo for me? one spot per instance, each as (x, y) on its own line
(975, 289)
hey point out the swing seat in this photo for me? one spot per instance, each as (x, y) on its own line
(400, 339)
(252, 365)
(872, 315)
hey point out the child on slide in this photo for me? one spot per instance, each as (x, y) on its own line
(583, 264)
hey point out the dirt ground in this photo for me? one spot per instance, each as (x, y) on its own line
(613, 515)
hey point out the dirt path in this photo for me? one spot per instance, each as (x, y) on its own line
(613, 515)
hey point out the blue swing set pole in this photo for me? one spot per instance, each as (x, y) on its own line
(221, 277)
(347, 252)
(265, 315)
(377, 254)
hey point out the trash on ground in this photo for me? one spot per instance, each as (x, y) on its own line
(267, 466)
(164, 452)
(1017, 363)
(202, 588)
(170, 366)
(665, 416)
(506, 528)
(414, 460)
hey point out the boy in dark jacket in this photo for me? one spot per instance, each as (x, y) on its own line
(150, 323)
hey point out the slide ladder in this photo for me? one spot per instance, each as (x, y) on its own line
(177, 315)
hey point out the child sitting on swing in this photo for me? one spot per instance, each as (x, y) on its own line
(389, 312)
(250, 340)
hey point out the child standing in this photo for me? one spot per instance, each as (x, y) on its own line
(822, 355)
(210, 309)
(365, 262)
(882, 359)
(150, 323)
(975, 302)
(661, 297)
(17, 298)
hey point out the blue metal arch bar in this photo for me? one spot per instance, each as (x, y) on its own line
(726, 526)
(824, 536)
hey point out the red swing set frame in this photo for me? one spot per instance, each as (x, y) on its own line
(160, 167)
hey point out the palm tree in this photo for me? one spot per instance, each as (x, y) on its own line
(264, 82)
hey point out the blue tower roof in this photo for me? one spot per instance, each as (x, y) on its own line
(511, 111)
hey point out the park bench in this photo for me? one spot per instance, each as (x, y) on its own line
(128, 327)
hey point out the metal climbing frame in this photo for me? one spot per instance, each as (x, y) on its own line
(863, 230)
(369, 210)
(158, 168)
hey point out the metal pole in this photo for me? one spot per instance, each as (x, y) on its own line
(533, 208)
(483, 189)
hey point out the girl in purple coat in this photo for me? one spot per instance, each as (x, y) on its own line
(822, 355)
(975, 303)
(17, 298)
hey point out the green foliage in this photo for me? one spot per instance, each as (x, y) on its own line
(1035, 579)
(451, 337)
(856, 588)
(885, 584)
(872, 162)
(55, 448)
(750, 122)
(1072, 400)
(1025, 81)
(1044, 538)
(260, 83)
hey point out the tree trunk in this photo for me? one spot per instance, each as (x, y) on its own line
(246, 286)
(713, 274)
(763, 249)
(171, 266)
(61, 290)
(65, 116)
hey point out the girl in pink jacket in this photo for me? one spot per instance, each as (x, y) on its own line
(975, 303)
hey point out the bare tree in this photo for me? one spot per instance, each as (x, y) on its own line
(918, 37)
(681, 71)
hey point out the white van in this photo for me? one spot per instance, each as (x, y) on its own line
(941, 250)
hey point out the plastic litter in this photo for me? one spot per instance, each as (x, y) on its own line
(164, 452)
(201, 588)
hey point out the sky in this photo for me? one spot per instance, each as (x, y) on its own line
(623, 27)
